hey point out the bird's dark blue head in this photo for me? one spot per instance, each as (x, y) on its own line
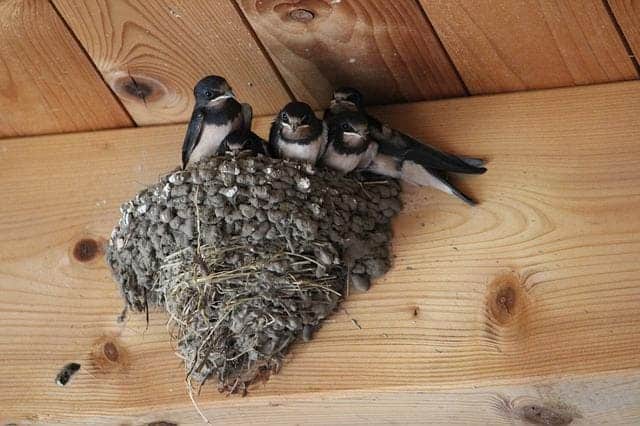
(297, 114)
(348, 95)
(349, 129)
(212, 88)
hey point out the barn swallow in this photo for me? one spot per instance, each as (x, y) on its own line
(296, 133)
(414, 173)
(349, 147)
(243, 138)
(403, 157)
(395, 143)
(216, 114)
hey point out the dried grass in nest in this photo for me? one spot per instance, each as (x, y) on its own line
(236, 321)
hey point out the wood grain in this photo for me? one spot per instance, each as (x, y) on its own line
(47, 85)
(627, 14)
(152, 52)
(533, 294)
(509, 45)
(387, 49)
(592, 400)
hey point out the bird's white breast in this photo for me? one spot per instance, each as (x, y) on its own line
(341, 162)
(211, 138)
(302, 152)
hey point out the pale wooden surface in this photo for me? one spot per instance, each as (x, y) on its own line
(557, 232)
(47, 84)
(627, 14)
(385, 48)
(165, 47)
(509, 45)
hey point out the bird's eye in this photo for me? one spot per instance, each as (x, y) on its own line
(285, 117)
(345, 126)
(208, 94)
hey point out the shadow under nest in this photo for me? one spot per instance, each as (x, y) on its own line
(247, 254)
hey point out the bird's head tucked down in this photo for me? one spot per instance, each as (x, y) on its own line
(348, 132)
(211, 90)
(346, 99)
(297, 121)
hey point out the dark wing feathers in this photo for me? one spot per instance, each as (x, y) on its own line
(193, 134)
(393, 142)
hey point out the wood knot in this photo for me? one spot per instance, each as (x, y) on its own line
(110, 351)
(86, 250)
(301, 15)
(540, 415)
(137, 88)
(108, 356)
(506, 299)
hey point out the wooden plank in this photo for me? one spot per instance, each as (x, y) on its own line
(153, 52)
(591, 400)
(47, 84)
(538, 285)
(508, 45)
(627, 14)
(387, 49)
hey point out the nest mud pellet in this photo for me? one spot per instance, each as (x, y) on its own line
(248, 254)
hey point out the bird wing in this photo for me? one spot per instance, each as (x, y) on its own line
(193, 134)
(247, 117)
(418, 175)
(273, 139)
(368, 156)
(385, 165)
(395, 143)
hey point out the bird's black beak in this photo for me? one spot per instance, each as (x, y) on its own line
(294, 126)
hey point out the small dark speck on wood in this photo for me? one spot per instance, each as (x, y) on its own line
(66, 373)
(355, 322)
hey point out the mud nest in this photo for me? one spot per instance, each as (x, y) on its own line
(247, 254)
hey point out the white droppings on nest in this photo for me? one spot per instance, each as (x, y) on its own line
(303, 183)
(229, 192)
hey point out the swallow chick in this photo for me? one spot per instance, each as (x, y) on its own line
(297, 134)
(243, 138)
(216, 114)
(349, 147)
(398, 144)
(403, 157)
